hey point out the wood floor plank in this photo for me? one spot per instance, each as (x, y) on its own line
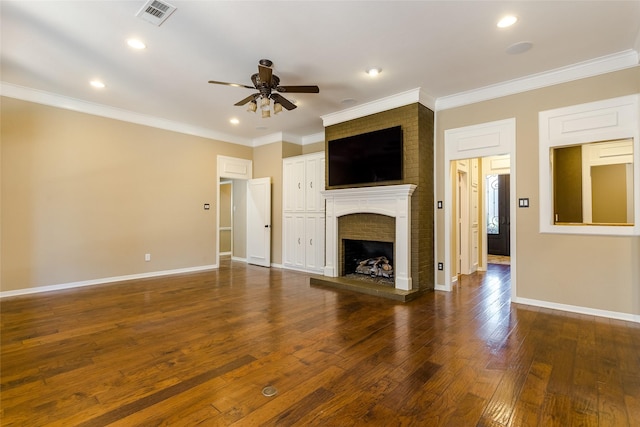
(197, 349)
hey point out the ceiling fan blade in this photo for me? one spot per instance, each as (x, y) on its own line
(247, 99)
(230, 84)
(298, 89)
(265, 74)
(283, 101)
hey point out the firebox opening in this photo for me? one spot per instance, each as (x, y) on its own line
(369, 260)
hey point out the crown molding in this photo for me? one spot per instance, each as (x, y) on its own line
(73, 104)
(288, 137)
(378, 106)
(602, 65)
(594, 67)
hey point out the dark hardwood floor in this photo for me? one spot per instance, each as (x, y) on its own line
(198, 349)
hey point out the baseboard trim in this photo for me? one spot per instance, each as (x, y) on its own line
(105, 280)
(578, 309)
(437, 287)
(235, 258)
(302, 270)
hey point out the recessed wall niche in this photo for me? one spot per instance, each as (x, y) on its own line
(590, 168)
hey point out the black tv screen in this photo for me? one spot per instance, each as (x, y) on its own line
(366, 158)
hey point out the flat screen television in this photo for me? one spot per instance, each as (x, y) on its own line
(371, 157)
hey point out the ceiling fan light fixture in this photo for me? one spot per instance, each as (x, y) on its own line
(266, 83)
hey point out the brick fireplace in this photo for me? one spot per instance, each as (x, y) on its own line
(418, 140)
(363, 206)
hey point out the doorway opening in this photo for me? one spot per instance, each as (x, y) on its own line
(481, 214)
(498, 218)
(225, 245)
(467, 150)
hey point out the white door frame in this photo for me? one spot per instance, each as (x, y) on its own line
(483, 140)
(462, 216)
(232, 168)
(228, 182)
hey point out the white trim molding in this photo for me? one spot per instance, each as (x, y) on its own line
(578, 309)
(606, 120)
(581, 70)
(106, 280)
(73, 104)
(481, 140)
(385, 104)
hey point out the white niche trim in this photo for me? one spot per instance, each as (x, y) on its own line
(606, 120)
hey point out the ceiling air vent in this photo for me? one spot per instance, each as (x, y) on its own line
(155, 11)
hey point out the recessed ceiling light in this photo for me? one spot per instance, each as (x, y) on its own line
(507, 21)
(97, 84)
(374, 71)
(234, 121)
(136, 44)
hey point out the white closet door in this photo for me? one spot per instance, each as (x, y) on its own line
(259, 221)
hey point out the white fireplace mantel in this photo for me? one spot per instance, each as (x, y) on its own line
(390, 200)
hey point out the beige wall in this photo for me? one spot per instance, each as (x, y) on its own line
(268, 162)
(313, 148)
(86, 197)
(597, 272)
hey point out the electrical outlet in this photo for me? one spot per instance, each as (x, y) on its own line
(440, 266)
(147, 257)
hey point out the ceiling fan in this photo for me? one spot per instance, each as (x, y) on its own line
(266, 83)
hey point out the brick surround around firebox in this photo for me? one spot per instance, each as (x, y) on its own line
(364, 226)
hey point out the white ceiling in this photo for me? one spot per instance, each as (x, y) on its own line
(442, 47)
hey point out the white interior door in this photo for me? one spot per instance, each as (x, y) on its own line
(259, 221)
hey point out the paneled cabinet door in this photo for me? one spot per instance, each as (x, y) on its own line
(314, 241)
(314, 179)
(289, 239)
(299, 242)
(288, 184)
(299, 184)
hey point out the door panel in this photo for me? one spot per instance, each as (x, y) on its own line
(259, 221)
(498, 227)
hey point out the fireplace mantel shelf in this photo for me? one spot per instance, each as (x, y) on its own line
(382, 191)
(390, 200)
